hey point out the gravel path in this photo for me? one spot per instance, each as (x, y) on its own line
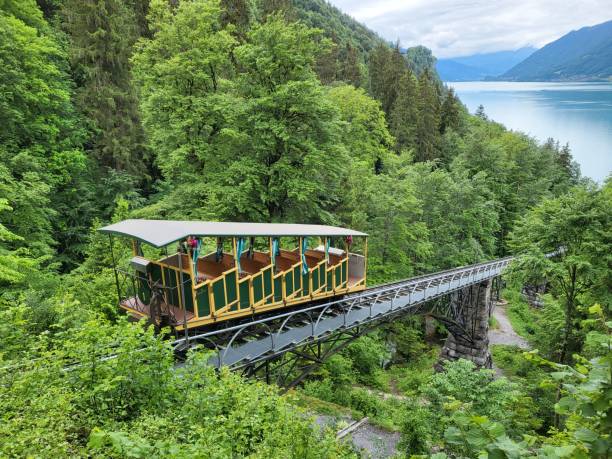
(505, 334)
(371, 441)
(375, 442)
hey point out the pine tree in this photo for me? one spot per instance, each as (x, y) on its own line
(480, 112)
(405, 113)
(449, 112)
(282, 7)
(350, 68)
(568, 165)
(238, 13)
(49, 8)
(387, 66)
(429, 118)
(140, 9)
(378, 62)
(102, 34)
(396, 66)
(327, 63)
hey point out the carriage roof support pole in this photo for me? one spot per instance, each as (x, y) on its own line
(182, 282)
(110, 240)
(365, 261)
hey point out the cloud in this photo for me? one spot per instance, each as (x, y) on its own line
(454, 28)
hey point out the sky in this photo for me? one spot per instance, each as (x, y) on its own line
(452, 28)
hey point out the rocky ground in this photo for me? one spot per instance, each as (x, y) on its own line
(371, 440)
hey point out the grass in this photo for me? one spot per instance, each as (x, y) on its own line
(509, 359)
(319, 406)
(523, 317)
(493, 323)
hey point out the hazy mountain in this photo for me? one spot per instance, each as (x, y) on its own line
(450, 70)
(580, 55)
(479, 66)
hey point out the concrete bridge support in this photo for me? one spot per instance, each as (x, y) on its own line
(468, 333)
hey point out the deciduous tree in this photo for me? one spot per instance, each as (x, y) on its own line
(578, 226)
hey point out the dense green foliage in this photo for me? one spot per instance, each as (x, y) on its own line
(268, 111)
(582, 410)
(581, 225)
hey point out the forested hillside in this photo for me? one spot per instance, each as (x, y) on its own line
(241, 110)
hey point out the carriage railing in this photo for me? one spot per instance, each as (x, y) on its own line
(136, 290)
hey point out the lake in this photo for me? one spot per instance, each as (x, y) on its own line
(576, 113)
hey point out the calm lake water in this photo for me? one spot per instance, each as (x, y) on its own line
(576, 113)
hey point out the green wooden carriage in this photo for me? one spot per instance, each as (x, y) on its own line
(267, 267)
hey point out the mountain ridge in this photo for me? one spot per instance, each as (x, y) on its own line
(477, 67)
(580, 55)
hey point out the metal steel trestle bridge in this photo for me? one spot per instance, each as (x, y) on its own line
(288, 346)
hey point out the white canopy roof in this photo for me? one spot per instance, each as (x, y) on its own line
(160, 233)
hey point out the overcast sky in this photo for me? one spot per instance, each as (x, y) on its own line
(452, 28)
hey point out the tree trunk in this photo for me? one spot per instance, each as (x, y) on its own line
(570, 308)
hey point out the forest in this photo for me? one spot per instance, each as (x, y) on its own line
(279, 111)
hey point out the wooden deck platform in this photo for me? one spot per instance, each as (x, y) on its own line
(138, 309)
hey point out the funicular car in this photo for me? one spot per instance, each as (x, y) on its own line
(252, 268)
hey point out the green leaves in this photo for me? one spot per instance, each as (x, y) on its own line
(575, 222)
(261, 146)
(181, 75)
(40, 151)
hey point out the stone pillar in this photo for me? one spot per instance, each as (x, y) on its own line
(468, 333)
(531, 293)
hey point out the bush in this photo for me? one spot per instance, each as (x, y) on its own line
(365, 402)
(123, 397)
(529, 376)
(417, 431)
(368, 354)
(408, 378)
(406, 336)
(474, 392)
(324, 390)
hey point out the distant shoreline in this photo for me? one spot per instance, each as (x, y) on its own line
(495, 80)
(577, 113)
